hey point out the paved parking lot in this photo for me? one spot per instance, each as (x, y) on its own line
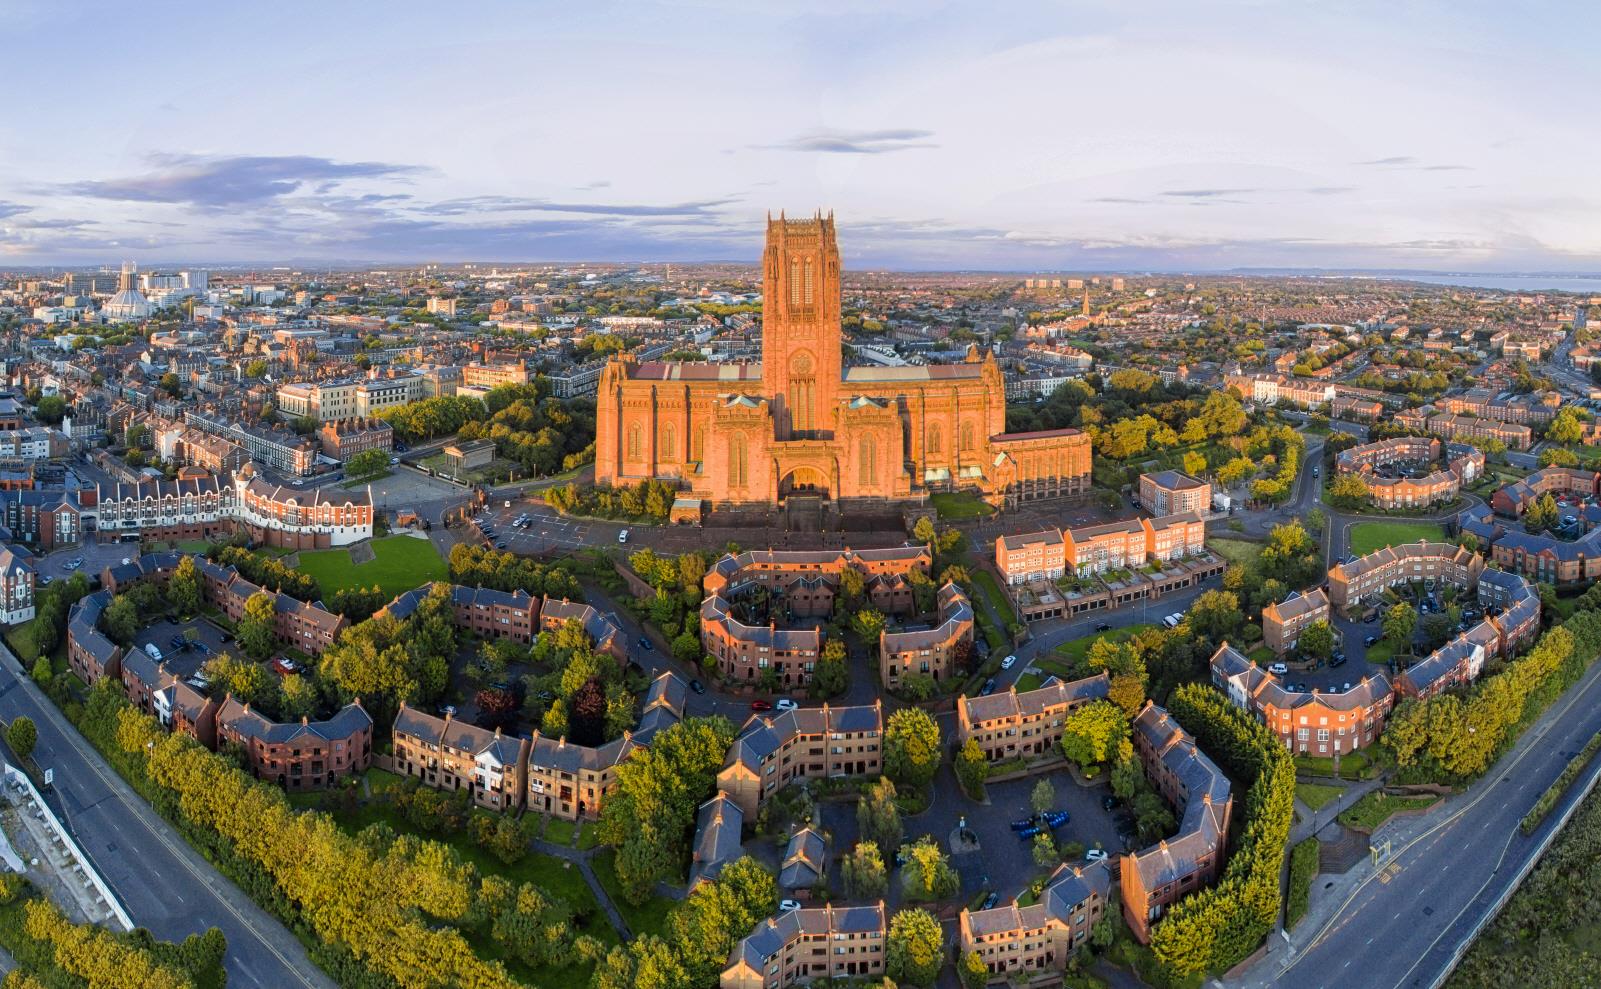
(210, 640)
(96, 557)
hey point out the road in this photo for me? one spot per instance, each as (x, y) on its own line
(163, 883)
(1403, 924)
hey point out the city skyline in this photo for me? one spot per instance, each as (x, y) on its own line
(1076, 137)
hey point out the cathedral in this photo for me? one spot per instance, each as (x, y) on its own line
(800, 424)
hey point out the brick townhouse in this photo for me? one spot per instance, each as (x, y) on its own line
(1319, 723)
(933, 652)
(1156, 877)
(483, 611)
(1172, 492)
(1021, 942)
(298, 755)
(812, 943)
(17, 580)
(774, 750)
(451, 755)
(342, 439)
(44, 520)
(603, 632)
(1283, 622)
(1011, 724)
(1349, 583)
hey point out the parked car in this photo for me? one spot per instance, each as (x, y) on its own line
(989, 687)
(500, 544)
(697, 686)
(1368, 640)
(1095, 855)
(785, 704)
(1056, 819)
(622, 537)
(785, 906)
(1278, 669)
(645, 643)
(1006, 663)
(1023, 824)
(1338, 659)
(1103, 626)
(990, 901)
(760, 705)
(1028, 833)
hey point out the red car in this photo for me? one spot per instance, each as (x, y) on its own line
(760, 706)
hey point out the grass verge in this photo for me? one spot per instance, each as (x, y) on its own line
(1303, 869)
(1553, 793)
(1377, 807)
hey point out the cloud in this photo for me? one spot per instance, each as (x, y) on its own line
(597, 184)
(1125, 200)
(12, 209)
(516, 204)
(1407, 161)
(861, 142)
(1329, 190)
(1448, 168)
(231, 180)
(1396, 160)
(1207, 193)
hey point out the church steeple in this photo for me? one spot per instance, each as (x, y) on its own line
(801, 336)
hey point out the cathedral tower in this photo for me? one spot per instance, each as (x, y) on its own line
(801, 338)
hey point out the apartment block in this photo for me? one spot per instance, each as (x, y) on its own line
(1318, 723)
(1022, 942)
(774, 750)
(452, 755)
(1172, 492)
(1028, 723)
(303, 755)
(935, 652)
(810, 944)
(1283, 622)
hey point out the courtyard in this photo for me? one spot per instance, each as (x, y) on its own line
(395, 564)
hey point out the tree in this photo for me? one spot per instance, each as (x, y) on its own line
(869, 622)
(257, 629)
(973, 972)
(1045, 853)
(915, 950)
(1315, 521)
(923, 531)
(51, 409)
(169, 384)
(1399, 624)
(831, 677)
(1216, 615)
(863, 872)
(1317, 640)
(878, 817)
(927, 874)
(1194, 463)
(120, 620)
(1566, 427)
(256, 369)
(1043, 796)
(1347, 491)
(911, 747)
(367, 463)
(183, 588)
(972, 769)
(247, 682)
(22, 736)
(1093, 734)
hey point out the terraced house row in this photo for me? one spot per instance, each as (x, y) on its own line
(810, 944)
(1021, 724)
(506, 772)
(1320, 723)
(515, 615)
(801, 586)
(1053, 553)
(200, 505)
(1028, 941)
(1463, 465)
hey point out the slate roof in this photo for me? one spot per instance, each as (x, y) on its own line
(349, 720)
(718, 823)
(1203, 823)
(1054, 694)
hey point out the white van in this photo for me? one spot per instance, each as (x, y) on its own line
(153, 651)
(1172, 621)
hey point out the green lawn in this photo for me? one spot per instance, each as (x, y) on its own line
(1316, 795)
(1353, 765)
(559, 831)
(402, 563)
(991, 589)
(1261, 655)
(1241, 551)
(1076, 650)
(959, 505)
(650, 918)
(1029, 681)
(1378, 807)
(1369, 536)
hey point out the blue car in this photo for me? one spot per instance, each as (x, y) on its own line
(1056, 818)
(1025, 823)
(1029, 832)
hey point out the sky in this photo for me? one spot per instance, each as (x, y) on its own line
(1019, 136)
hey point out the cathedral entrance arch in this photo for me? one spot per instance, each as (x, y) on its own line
(807, 481)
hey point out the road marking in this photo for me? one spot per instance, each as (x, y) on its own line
(90, 759)
(1553, 713)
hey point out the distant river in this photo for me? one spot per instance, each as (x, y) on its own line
(1512, 283)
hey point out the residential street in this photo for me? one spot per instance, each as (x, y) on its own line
(162, 882)
(1401, 926)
